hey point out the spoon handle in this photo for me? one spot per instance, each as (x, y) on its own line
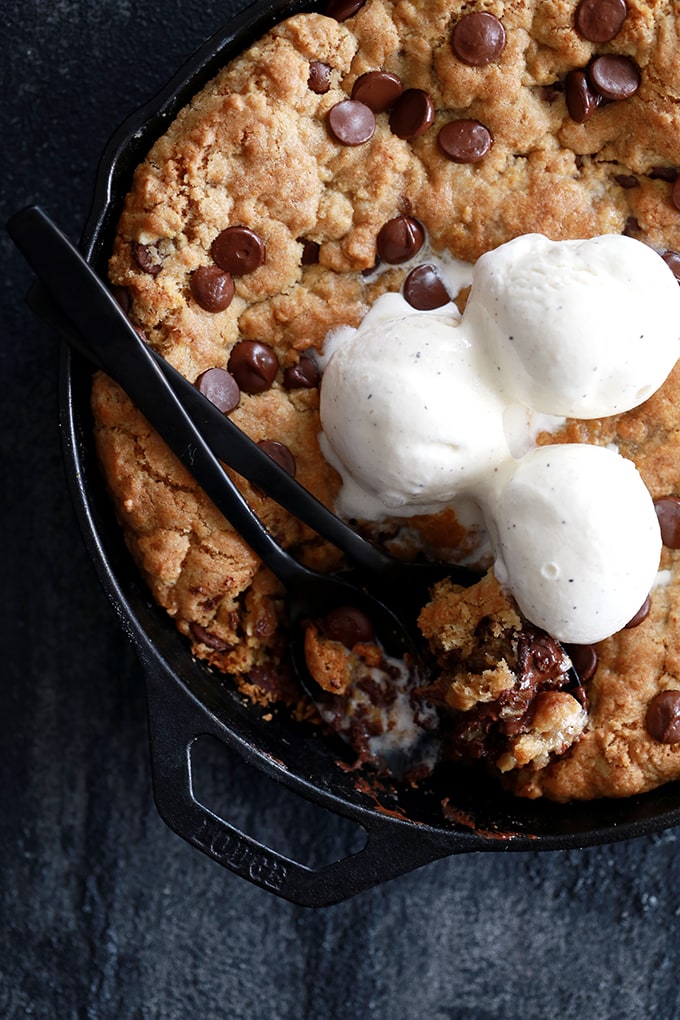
(127, 359)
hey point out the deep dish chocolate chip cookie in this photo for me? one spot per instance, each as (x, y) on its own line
(343, 156)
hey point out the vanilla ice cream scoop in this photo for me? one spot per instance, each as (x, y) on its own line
(407, 419)
(576, 539)
(419, 409)
(584, 329)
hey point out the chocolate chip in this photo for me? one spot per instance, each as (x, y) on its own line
(579, 692)
(220, 387)
(310, 251)
(379, 90)
(668, 512)
(238, 250)
(343, 9)
(212, 288)
(122, 297)
(278, 680)
(205, 637)
(614, 76)
(663, 173)
(478, 39)
(675, 193)
(254, 365)
(280, 453)
(627, 181)
(583, 659)
(581, 100)
(672, 260)
(351, 122)
(539, 657)
(551, 92)
(370, 270)
(641, 615)
(631, 227)
(465, 141)
(662, 720)
(303, 376)
(400, 239)
(319, 79)
(424, 288)
(412, 114)
(147, 258)
(347, 625)
(600, 20)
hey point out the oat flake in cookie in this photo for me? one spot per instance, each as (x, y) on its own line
(560, 119)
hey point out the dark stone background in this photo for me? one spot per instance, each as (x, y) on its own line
(106, 914)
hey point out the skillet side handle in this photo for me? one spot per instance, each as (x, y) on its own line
(176, 718)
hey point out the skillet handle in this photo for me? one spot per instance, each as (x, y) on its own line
(392, 848)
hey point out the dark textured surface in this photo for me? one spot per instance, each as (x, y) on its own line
(106, 914)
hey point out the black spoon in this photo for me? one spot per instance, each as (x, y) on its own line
(122, 354)
(405, 583)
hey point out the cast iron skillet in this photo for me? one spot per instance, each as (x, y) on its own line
(405, 828)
